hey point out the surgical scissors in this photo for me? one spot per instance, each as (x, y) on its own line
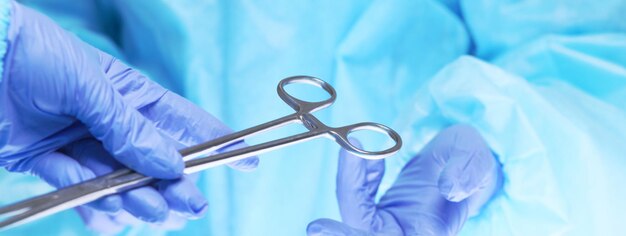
(199, 157)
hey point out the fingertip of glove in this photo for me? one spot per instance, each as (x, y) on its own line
(167, 165)
(146, 204)
(198, 205)
(450, 189)
(156, 215)
(315, 228)
(325, 226)
(177, 166)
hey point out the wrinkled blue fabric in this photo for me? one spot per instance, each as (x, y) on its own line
(558, 147)
(545, 92)
(499, 26)
(591, 63)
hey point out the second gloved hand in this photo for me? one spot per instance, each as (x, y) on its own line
(434, 194)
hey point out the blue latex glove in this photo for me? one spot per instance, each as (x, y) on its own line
(71, 112)
(435, 193)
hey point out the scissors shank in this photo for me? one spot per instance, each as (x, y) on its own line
(206, 148)
(200, 164)
(126, 179)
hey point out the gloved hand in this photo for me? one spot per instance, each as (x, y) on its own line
(434, 194)
(71, 112)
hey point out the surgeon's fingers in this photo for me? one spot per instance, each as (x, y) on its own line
(357, 183)
(469, 163)
(145, 203)
(184, 197)
(90, 153)
(328, 227)
(189, 125)
(60, 170)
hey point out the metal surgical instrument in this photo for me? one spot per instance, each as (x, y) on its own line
(201, 157)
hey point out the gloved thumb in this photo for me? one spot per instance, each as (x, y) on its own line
(357, 184)
(124, 132)
(328, 227)
(470, 165)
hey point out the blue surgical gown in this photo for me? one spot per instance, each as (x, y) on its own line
(543, 81)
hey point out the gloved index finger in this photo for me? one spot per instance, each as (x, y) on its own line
(357, 184)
